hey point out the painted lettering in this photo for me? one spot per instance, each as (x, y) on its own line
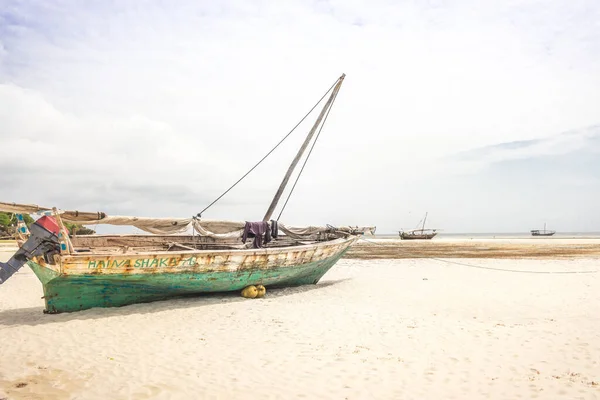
(143, 263)
(189, 261)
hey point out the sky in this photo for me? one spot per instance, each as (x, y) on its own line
(486, 115)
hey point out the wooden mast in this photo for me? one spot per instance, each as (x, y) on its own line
(424, 219)
(286, 178)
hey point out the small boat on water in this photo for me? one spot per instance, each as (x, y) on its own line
(544, 232)
(79, 272)
(419, 233)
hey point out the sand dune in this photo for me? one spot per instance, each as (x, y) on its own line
(385, 329)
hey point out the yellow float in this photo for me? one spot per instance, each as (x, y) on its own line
(261, 291)
(250, 292)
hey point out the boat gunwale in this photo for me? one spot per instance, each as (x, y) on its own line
(251, 251)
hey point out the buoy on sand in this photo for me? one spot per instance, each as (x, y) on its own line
(250, 292)
(253, 292)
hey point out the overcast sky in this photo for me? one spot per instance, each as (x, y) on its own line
(486, 114)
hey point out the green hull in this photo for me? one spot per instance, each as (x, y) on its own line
(68, 293)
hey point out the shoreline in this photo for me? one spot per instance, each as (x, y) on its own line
(373, 248)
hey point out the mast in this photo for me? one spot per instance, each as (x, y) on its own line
(286, 178)
(424, 219)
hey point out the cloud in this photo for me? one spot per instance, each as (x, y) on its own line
(585, 139)
(520, 185)
(158, 108)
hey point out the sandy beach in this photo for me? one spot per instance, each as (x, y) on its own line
(378, 325)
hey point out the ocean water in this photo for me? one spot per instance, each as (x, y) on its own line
(502, 235)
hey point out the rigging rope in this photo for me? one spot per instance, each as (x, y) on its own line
(269, 153)
(307, 156)
(492, 268)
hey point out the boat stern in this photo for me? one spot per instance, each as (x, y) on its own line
(43, 246)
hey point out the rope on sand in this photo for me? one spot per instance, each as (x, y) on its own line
(491, 268)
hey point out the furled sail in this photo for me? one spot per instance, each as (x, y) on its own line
(158, 226)
(218, 229)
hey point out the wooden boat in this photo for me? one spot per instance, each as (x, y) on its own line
(537, 232)
(419, 233)
(82, 272)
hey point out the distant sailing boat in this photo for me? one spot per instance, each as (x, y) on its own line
(420, 233)
(537, 232)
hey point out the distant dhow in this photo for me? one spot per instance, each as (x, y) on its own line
(537, 232)
(419, 233)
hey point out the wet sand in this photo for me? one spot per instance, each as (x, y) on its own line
(534, 248)
(379, 328)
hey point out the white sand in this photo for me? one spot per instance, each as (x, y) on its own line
(402, 329)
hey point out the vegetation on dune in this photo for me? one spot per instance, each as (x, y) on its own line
(75, 229)
(8, 223)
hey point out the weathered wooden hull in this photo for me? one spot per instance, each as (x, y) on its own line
(543, 234)
(81, 282)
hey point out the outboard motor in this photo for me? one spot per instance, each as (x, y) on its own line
(42, 242)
